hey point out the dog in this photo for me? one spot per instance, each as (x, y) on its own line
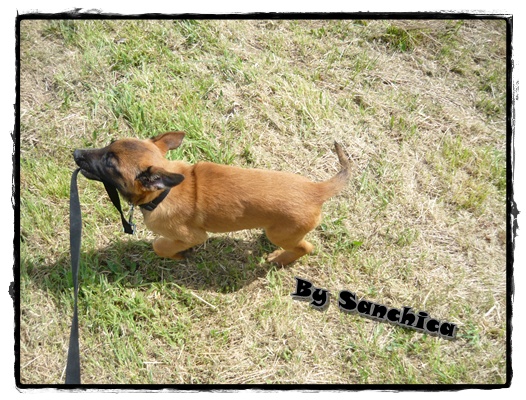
(182, 202)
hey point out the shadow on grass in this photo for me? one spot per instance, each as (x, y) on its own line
(221, 264)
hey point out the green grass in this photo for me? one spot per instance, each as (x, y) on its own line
(418, 105)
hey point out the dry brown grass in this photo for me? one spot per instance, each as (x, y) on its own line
(420, 108)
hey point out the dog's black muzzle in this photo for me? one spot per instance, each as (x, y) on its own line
(92, 167)
(88, 167)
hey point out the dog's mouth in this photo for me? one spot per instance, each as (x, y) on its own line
(89, 175)
(85, 169)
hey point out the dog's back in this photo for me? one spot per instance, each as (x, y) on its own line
(233, 198)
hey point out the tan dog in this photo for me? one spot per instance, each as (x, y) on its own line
(182, 202)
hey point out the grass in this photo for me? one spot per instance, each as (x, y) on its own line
(419, 106)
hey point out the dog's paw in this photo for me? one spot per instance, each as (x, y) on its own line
(183, 255)
(279, 257)
(178, 256)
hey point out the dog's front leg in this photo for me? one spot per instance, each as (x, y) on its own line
(169, 248)
(172, 248)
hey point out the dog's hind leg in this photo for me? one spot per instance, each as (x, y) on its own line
(293, 243)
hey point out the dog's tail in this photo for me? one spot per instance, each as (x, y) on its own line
(334, 185)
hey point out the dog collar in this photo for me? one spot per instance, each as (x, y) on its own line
(155, 202)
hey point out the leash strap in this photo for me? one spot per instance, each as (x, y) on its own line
(129, 227)
(75, 234)
(75, 223)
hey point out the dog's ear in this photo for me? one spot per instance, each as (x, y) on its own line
(159, 179)
(168, 141)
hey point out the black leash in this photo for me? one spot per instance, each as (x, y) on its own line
(75, 223)
(75, 232)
